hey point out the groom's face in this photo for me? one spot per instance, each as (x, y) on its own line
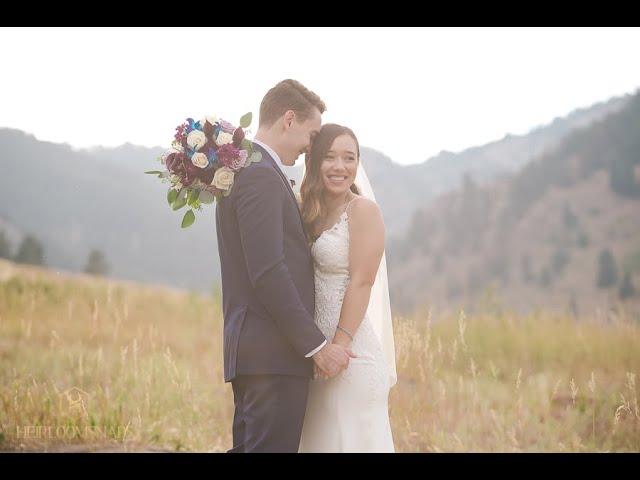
(298, 135)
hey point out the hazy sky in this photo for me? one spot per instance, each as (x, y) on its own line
(408, 92)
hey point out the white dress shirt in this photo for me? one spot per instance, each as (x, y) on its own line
(284, 169)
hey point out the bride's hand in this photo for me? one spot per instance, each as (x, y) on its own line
(317, 373)
(343, 341)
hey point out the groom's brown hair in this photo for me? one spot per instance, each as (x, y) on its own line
(288, 95)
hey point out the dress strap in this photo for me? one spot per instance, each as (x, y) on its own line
(350, 202)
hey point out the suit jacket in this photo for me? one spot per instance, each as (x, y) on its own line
(268, 291)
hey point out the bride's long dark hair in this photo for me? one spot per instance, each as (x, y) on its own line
(312, 187)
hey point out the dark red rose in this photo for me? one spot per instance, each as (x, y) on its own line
(191, 172)
(169, 161)
(228, 155)
(238, 136)
(206, 175)
(174, 163)
(211, 144)
(207, 128)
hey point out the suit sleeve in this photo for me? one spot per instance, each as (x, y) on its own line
(260, 197)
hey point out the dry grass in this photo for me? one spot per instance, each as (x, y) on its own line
(89, 362)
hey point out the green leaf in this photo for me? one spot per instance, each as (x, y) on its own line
(255, 157)
(179, 203)
(246, 144)
(172, 194)
(206, 197)
(245, 121)
(153, 172)
(192, 196)
(188, 219)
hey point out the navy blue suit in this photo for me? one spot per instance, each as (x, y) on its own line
(268, 297)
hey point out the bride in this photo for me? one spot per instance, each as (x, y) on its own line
(347, 412)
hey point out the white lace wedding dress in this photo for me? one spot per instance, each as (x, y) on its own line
(349, 412)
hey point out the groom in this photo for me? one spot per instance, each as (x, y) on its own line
(270, 338)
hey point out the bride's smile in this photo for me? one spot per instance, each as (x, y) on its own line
(339, 166)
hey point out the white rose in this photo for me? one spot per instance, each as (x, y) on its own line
(200, 160)
(224, 138)
(196, 139)
(223, 178)
(208, 118)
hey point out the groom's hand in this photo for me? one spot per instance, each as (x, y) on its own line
(332, 359)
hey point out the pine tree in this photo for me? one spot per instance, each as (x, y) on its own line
(583, 240)
(5, 247)
(607, 270)
(30, 251)
(622, 178)
(96, 263)
(527, 271)
(626, 289)
(560, 260)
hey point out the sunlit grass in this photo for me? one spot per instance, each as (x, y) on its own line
(89, 361)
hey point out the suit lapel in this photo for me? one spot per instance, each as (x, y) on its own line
(285, 180)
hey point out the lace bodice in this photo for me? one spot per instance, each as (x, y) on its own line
(330, 254)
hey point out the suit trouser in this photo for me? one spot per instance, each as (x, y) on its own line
(269, 412)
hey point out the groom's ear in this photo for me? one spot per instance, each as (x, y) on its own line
(288, 117)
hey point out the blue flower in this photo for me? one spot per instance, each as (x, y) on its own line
(193, 125)
(212, 156)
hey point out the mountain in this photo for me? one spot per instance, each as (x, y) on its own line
(77, 200)
(534, 237)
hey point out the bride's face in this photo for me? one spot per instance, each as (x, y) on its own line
(339, 166)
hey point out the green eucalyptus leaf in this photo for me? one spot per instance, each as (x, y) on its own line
(193, 195)
(245, 121)
(188, 219)
(255, 157)
(172, 194)
(206, 197)
(179, 203)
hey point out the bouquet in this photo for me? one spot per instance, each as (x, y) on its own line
(202, 162)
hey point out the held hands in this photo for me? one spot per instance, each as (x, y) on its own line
(331, 360)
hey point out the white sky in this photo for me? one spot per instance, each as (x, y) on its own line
(408, 92)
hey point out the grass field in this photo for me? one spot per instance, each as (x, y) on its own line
(93, 364)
